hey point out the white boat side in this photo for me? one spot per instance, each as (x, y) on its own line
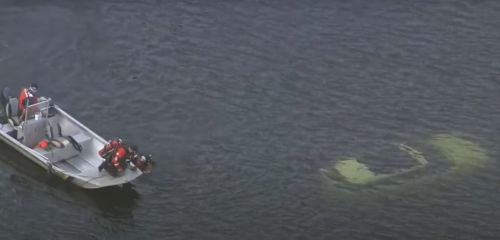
(67, 162)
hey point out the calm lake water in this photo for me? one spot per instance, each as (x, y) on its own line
(242, 102)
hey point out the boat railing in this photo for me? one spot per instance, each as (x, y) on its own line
(41, 106)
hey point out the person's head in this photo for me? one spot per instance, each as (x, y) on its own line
(132, 148)
(147, 159)
(144, 160)
(33, 87)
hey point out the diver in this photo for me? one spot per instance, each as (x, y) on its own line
(26, 95)
(144, 163)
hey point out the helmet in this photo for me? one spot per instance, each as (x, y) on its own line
(149, 159)
(145, 159)
(33, 87)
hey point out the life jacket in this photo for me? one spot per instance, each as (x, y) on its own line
(121, 157)
(109, 148)
(25, 94)
(43, 144)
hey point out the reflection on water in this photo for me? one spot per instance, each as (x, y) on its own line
(113, 201)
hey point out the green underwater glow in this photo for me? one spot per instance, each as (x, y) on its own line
(356, 173)
(458, 151)
(461, 152)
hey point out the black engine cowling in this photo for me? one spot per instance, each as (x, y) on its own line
(5, 95)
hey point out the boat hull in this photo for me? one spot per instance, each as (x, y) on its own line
(77, 163)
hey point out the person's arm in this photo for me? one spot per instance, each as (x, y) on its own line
(21, 118)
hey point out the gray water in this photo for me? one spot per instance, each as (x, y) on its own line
(242, 102)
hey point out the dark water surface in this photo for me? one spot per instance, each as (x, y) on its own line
(241, 102)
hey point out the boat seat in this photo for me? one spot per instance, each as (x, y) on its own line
(11, 109)
(65, 152)
(58, 141)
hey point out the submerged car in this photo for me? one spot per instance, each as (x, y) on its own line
(404, 164)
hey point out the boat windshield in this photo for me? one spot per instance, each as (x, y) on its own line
(41, 106)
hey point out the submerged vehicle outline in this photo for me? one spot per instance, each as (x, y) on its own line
(455, 154)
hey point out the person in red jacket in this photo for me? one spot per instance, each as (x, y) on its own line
(26, 95)
(121, 155)
(115, 155)
(115, 149)
(106, 150)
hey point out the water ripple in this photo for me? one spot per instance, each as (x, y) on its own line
(241, 103)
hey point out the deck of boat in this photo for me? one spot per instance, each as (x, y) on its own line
(78, 157)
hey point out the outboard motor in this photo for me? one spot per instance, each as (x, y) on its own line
(5, 96)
